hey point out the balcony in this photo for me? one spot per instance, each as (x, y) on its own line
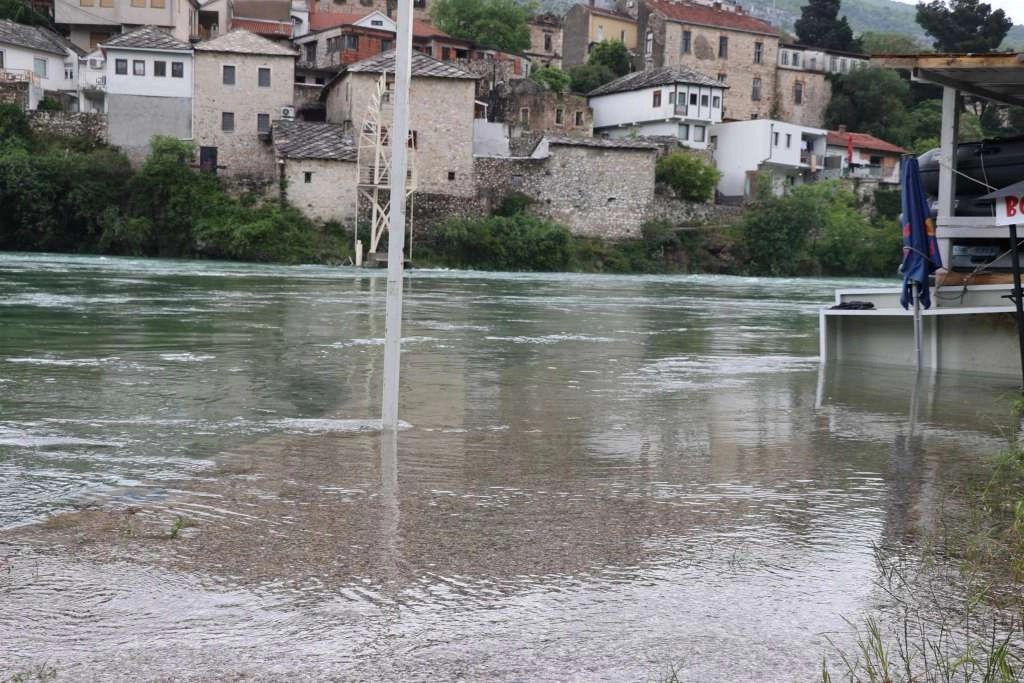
(20, 76)
(813, 161)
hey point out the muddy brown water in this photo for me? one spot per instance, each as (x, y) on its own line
(600, 477)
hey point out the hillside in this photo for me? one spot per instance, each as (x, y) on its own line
(864, 15)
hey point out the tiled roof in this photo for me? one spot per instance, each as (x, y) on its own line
(666, 75)
(324, 20)
(422, 66)
(32, 37)
(863, 141)
(148, 38)
(702, 15)
(308, 140)
(273, 29)
(605, 143)
(244, 42)
(609, 13)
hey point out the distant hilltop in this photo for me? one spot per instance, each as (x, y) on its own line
(886, 16)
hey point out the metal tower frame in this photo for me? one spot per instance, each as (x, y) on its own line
(373, 164)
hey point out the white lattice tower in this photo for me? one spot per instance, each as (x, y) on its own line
(373, 163)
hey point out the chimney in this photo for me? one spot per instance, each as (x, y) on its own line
(842, 128)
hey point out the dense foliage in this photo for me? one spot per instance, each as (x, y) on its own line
(586, 77)
(819, 25)
(496, 24)
(551, 78)
(818, 229)
(63, 195)
(963, 25)
(688, 175)
(887, 43)
(22, 12)
(612, 54)
(516, 242)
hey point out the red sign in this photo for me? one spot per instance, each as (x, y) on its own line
(1010, 210)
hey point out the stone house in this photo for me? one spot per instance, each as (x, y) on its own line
(87, 23)
(545, 41)
(243, 82)
(317, 162)
(599, 188)
(669, 100)
(586, 25)
(738, 49)
(528, 107)
(38, 62)
(442, 98)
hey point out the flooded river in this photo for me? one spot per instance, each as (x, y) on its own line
(601, 477)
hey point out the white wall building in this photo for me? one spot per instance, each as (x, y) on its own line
(671, 100)
(42, 59)
(787, 153)
(147, 87)
(804, 58)
(91, 22)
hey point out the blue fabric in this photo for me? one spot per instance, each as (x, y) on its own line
(920, 248)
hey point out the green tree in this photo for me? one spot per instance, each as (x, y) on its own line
(551, 78)
(22, 12)
(495, 24)
(884, 43)
(870, 100)
(819, 25)
(612, 54)
(586, 77)
(963, 25)
(14, 128)
(688, 175)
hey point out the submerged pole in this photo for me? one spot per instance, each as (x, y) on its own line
(396, 217)
(1018, 302)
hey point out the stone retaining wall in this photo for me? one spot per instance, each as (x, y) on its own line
(92, 126)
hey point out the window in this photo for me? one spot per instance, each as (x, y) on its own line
(798, 93)
(419, 4)
(138, 3)
(159, 68)
(300, 79)
(814, 63)
(559, 117)
(784, 57)
(263, 123)
(622, 36)
(446, 54)
(723, 47)
(758, 52)
(177, 69)
(228, 75)
(703, 100)
(69, 69)
(789, 140)
(600, 32)
(686, 43)
(698, 133)
(713, 140)
(524, 115)
(157, 4)
(579, 118)
(1, 59)
(307, 177)
(831, 63)
(376, 22)
(796, 59)
(138, 67)
(754, 116)
(106, 3)
(716, 101)
(547, 42)
(39, 67)
(310, 49)
(755, 92)
(263, 77)
(656, 98)
(121, 67)
(319, 80)
(775, 139)
(722, 78)
(693, 99)
(684, 131)
(352, 42)
(843, 65)
(451, 175)
(227, 121)
(87, 3)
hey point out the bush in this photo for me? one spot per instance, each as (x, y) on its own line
(518, 242)
(688, 176)
(49, 104)
(551, 78)
(612, 54)
(14, 126)
(513, 204)
(587, 77)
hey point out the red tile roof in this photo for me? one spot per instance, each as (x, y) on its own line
(270, 29)
(709, 16)
(863, 141)
(323, 20)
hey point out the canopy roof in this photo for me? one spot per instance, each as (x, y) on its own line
(995, 76)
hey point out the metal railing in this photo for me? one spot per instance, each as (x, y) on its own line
(20, 75)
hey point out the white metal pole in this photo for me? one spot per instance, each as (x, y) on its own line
(396, 224)
(917, 323)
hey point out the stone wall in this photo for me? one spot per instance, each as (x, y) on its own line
(15, 92)
(429, 210)
(323, 190)
(90, 126)
(683, 214)
(530, 107)
(575, 36)
(816, 93)
(597, 192)
(545, 29)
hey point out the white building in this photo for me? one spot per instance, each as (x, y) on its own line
(671, 100)
(41, 59)
(798, 57)
(787, 154)
(91, 22)
(147, 88)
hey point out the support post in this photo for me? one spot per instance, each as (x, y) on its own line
(948, 136)
(396, 224)
(1017, 300)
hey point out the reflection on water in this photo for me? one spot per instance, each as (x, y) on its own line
(600, 476)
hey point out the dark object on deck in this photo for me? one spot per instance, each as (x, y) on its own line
(991, 163)
(854, 306)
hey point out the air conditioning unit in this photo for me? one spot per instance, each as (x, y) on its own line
(101, 81)
(288, 113)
